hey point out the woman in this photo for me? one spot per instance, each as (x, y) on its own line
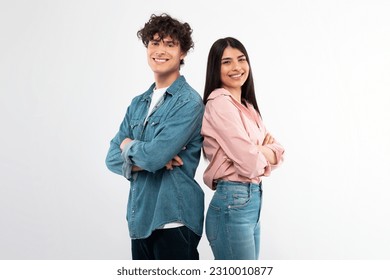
(240, 152)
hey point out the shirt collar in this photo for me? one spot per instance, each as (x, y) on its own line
(172, 89)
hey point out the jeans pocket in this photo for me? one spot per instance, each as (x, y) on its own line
(240, 199)
(212, 222)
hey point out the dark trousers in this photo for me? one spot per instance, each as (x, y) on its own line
(167, 244)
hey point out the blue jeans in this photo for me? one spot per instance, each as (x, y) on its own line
(233, 221)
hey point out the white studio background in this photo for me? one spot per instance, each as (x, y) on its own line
(68, 70)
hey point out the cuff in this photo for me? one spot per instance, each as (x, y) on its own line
(278, 153)
(127, 162)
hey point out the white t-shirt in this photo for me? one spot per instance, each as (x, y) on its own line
(156, 97)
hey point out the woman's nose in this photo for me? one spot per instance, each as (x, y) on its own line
(236, 66)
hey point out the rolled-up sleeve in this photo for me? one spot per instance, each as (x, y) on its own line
(114, 159)
(127, 163)
(277, 148)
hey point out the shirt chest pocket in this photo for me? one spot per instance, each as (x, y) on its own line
(135, 129)
(152, 128)
(145, 131)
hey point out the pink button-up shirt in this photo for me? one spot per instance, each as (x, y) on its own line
(231, 134)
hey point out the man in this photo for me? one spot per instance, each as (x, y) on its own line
(158, 149)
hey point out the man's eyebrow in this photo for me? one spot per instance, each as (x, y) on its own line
(170, 41)
(165, 41)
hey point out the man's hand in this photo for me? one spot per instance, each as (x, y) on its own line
(124, 142)
(176, 161)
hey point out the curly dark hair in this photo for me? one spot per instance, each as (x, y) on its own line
(164, 25)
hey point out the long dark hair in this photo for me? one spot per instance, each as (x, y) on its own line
(213, 72)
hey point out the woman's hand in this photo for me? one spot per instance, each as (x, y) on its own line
(267, 152)
(268, 139)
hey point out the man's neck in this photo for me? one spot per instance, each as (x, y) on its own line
(164, 80)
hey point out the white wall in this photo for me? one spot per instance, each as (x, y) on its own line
(69, 69)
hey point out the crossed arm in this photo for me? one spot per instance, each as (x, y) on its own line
(266, 151)
(175, 161)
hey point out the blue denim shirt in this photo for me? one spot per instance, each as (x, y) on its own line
(159, 196)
